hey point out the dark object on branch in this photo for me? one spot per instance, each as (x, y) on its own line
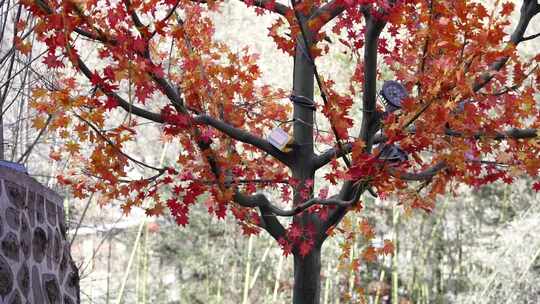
(392, 153)
(393, 93)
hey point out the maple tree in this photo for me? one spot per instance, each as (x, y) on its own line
(466, 110)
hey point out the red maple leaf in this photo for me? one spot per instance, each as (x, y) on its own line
(139, 45)
(156, 210)
(285, 245)
(295, 232)
(95, 79)
(208, 78)
(270, 5)
(536, 186)
(369, 254)
(221, 211)
(507, 8)
(110, 103)
(109, 73)
(323, 213)
(52, 61)
(305, 247)
(181, 219)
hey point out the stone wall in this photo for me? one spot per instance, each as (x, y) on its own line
(35, 261)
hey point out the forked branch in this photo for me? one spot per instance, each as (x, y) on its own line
(423, 175)
(529, 9)
(260, 200)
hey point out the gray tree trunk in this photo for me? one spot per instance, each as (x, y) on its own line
(307, 269)
(307, 278)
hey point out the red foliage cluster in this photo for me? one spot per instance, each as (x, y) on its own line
(159, 61)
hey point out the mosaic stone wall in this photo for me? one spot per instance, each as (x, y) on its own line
(35, 261)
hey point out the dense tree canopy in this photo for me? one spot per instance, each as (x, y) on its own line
(460, 108)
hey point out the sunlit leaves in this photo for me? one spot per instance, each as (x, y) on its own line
(39, 122)
(283, 42)
(337, 111)
(507, 8)
(24, 47)
(210, 77)
(388, 248)
(72, 147)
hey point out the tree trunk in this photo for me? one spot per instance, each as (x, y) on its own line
(307, 278)
(307, 269)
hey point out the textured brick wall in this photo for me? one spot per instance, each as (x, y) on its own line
(35, 261)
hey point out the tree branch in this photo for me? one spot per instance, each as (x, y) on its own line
(336, 215)
(329, 11)
(370, 118)
(499, 135)
(529, 9)
(353, 190)
(24, 157)
(115, 147)
(269, 5)
(243, 136)
(426, 174)
(136, 20)
(324, 158)
(176, 99)
(260, 200)
(335, 152)
(155, 117)
(169, 15)
(230, 130)
(278, 8)
(531, 37)
(271, 224)
(163, 84)
(319, 83)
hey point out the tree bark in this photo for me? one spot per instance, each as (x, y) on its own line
(307, 269)
(307, 278)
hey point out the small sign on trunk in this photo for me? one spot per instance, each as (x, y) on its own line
(279, 138)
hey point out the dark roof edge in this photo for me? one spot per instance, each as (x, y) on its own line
(30, 183)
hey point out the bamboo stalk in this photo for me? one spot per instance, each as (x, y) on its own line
(278, 275)
(220, 281)
(138, 269)
(338, 291)
(109, 255)
(426, 294)
(248, 269)
(395, 224)
(81, 219)
(351, 272)
(326, 284)
(523, 273)
(145, 266)
(486, 291)
(218, 294)
(381, 280)
(265, 255)
(427, 249)
(233, 276)
(130, 262)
